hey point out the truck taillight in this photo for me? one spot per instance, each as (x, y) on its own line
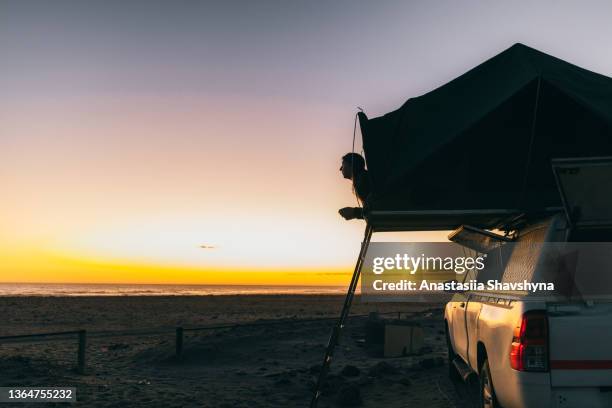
(529, 351)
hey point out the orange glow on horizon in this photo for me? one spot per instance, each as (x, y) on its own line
(52, 268)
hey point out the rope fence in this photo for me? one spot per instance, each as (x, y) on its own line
(82, 335)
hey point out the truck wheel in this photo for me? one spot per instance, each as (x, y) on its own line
(453, 374)
(487, 392)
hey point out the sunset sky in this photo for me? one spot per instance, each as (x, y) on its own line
(132, 133)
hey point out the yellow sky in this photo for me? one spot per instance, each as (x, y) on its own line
(34, 265)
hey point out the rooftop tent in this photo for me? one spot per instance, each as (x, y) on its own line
(480, 147)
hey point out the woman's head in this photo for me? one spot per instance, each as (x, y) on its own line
(352, 162)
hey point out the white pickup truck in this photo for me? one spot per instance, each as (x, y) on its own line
(545, 353)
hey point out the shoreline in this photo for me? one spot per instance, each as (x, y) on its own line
(66, 290)
(172, 296)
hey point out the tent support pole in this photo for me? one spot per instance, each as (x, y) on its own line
(531, 139)
(348, 300)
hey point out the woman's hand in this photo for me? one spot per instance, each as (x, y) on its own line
(349, 213)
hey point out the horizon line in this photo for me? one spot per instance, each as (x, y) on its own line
(162, 284)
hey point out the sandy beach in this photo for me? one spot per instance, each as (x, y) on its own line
(268, 366)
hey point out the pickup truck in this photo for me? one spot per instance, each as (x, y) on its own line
(541, 353)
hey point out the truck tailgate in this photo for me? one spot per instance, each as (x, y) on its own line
(580, 345)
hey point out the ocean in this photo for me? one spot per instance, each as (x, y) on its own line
(104, 289)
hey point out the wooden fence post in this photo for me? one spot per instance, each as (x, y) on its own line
(179, 342)
(81, 352)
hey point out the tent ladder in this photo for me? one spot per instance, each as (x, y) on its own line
(335, 334)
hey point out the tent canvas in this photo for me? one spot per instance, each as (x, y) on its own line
(485, 140)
